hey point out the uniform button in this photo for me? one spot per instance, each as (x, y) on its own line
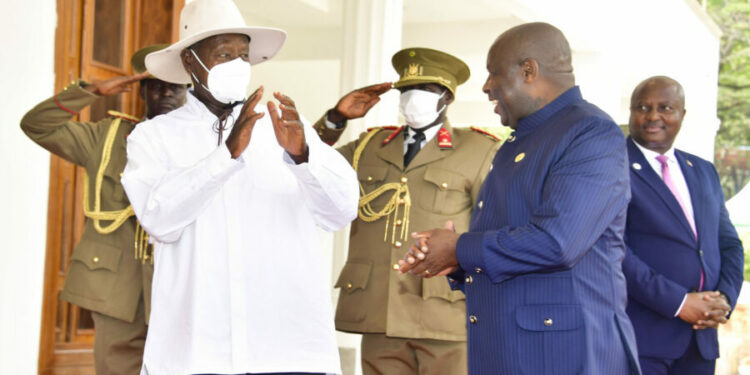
(396, 267)
(399, 222)
(473, 319)
(469, 279)
(548, 322)
(349, 285)
(444, 185)
(491, 165)
(397, 244)
(480, 204)
(402, 201)
(404, 179)
(369, 178)
(95, 259)
(478, 270)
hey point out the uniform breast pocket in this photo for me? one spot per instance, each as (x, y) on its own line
(111, 187)
(371, 178)
(550, 339)
(445, 192)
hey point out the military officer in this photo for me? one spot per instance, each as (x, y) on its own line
(411, 177)
(110, 270)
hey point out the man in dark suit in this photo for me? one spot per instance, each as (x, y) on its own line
(684, 262)
(541, 262)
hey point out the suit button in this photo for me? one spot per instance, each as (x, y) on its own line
(480, 204)
(404, 180)
(478, 270)
(349, 285)
(397, 244)
(548, 322)
(700, 252)
(95, 259)
(473, 319)
(396, 267)
(469, 279)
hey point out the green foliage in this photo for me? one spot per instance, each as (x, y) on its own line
(733, 107)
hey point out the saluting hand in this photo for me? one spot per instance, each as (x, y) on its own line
(358, 102)
(288, 128)
(116, 85)
(242, 130)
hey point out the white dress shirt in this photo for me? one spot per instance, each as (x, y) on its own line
(679, 182)
(239, 282)
(428, 135)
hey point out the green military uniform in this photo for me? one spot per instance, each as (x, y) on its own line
(441, 183)
(110, 272)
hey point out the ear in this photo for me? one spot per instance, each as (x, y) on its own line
(187, 59)
(448, 99)
(529, 70)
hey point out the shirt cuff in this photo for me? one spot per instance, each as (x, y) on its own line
(220, 163)
(469, 251)
(679, 310)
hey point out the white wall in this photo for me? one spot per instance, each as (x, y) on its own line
(27, 68)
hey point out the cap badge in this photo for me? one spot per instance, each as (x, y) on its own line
(413, 70)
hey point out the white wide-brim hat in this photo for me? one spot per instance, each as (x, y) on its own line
(201, 19)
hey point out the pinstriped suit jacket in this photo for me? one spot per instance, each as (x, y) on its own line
(541, 263)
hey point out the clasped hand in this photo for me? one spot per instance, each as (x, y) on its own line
(288, 127)
(433, 253)
(705, 309)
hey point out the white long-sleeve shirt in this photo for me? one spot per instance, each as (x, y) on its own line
(239, 285)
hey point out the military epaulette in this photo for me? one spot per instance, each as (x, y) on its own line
(391, 127)
(393, 135)
(487, 133)
(123, 116)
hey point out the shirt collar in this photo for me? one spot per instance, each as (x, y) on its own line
(651, 155)
(527, 124)
(428, 134)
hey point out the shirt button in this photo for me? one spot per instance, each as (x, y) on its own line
(473, 319)
(469, 279)
(404, 180)
(396, 267)
(548, 322)
(95, 259)
(397, 244)
(478, 270)
(480, 204)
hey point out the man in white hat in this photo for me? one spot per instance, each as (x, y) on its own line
(232, 195)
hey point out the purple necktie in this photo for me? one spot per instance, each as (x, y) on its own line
(667, 177)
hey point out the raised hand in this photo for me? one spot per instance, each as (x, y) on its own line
(433, 253)
(358, 102)
(116, 85)
(705, 309)
(242, 130)
(288, 128)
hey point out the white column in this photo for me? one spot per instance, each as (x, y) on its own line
(372, 34)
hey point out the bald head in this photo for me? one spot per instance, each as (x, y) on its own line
(529, 66)
(657, 108)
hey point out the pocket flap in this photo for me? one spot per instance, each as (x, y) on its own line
(444, 179)
(354, 276)
(440, 288)
(549, 317)
(97, 256)
(371, 174)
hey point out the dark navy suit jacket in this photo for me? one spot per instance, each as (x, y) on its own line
(664, 259)
(541, 263)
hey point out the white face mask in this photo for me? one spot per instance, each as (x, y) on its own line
(419, 107)
(228, 81)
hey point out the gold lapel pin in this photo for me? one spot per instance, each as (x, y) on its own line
(520, 157)
(637, 166)
(689, 163)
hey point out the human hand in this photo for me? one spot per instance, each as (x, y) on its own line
(242, 130)
(288, 128)
(358, 102)
(705, 309)
(440, 245)
(116, 85)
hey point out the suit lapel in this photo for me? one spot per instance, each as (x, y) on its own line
(432, 152)
(693, 183)
(393, 151)
(640, 167)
